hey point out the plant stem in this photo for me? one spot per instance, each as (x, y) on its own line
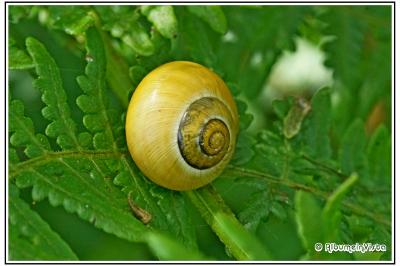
(325, 167)
(17, 168)
(240, 243)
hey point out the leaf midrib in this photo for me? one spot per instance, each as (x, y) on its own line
(49, 156)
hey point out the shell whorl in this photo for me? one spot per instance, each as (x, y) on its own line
(203, 137)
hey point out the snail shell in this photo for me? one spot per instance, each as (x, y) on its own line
(181, 125)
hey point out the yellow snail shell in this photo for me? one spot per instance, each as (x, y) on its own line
(181, 125)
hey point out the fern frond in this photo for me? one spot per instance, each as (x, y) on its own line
(124, 25)
(23, 133)
(18, 59)
(212, 15)
(348, 31)
(79, 177)
(62, 127)
(30, 236)
(76, 178)
(163, 19)
(98, 118)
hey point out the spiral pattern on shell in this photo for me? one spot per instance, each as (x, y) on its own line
(181, 125)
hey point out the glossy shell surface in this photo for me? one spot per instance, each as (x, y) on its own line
(181, 125)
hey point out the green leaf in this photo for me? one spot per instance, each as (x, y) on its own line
(63, 128)
(163, 19)
(12, 156)
(314, 136)
(139, 40)
(308, 219)
(257, 209)
(75, 178)
(348, 31)
(20, 12)
(282, 107)
(166, 248)
(352, 150)
(245, 118)
(17, 58)
(118, 74)
(168, 208)
(240, 243)
(30, 237)
(270, 154)
(137, 73)
(278, 210)
(212, 15)
(368, 256)
(246, 53)
(98, 118)
(23, 132)
(379, 157)
(195, 40)
(312, 28)
(123, 23)
(331, 213)
(163, 55)
(244, 146)
(244, 149)
(376, 68)
(368, 45)
(79, 183)
(74, 20)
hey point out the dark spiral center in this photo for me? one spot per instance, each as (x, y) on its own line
(203, 138)
(213, 137)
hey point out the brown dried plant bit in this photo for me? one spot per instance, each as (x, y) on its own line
(376, 117)
(294, 118)
(141, 214)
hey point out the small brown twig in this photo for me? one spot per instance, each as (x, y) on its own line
(141, 214)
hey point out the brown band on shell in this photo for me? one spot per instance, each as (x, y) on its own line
(203, 138)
